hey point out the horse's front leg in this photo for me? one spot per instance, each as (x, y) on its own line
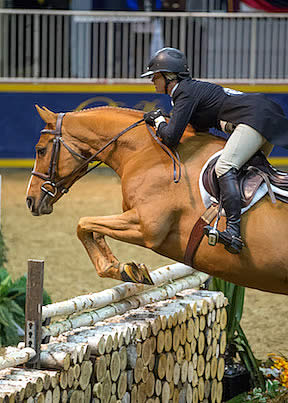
(123, 227)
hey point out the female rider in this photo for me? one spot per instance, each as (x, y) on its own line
(256, 123)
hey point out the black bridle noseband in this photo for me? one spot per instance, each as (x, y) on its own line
(61, 185)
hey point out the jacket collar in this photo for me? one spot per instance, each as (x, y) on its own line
(174, 89)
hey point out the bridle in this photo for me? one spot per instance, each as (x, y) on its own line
(61, 185)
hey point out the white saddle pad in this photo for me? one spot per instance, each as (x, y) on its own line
(261, 192)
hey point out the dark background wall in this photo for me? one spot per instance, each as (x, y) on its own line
(21, 124)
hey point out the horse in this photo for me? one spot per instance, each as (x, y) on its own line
(158, 213)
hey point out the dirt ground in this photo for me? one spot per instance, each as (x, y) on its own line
(68, 270)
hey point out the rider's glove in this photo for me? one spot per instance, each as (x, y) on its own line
(154, 118)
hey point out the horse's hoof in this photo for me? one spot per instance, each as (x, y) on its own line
(135, 273)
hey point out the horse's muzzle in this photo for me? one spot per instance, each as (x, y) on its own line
(43, 207)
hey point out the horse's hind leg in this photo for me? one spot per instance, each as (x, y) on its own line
(124, 227)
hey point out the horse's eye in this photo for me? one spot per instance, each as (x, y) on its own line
(41, 152)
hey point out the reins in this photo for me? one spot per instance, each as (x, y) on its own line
(79, 172)
(175, 159)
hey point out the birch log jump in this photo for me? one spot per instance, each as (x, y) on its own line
(101, 299)
(158, 352)
(137, 343)
(90, 318)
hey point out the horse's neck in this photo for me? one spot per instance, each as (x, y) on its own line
(96, 128)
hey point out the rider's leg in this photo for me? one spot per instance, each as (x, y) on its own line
(231, 202)
(267, 148)
(243, 143)
(240, 147)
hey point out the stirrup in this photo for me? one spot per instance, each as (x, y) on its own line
(233, 245)
(212, 234)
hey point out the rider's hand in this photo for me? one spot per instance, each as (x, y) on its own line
(154, 118)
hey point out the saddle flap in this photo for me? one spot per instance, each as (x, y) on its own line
(249, 184)
(276, 177)
(210, 181)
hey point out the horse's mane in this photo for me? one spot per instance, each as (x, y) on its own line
(114, 108)
(134, 111)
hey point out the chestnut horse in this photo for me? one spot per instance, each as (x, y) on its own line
(157, 212)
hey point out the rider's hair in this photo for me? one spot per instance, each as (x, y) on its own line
(171, 76)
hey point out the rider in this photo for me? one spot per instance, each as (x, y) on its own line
(254, 122)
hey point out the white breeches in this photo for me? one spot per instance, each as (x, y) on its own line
(241, 145)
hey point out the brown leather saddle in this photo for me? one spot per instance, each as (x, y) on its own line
(251, 176)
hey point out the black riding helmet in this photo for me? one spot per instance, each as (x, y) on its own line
(169, 60)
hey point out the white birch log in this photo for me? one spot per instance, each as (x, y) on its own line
(118, 308)
(14, 356)
(76, 351)
(85, 375)
(214, 298)
(10, 388)
(33, 373)
(4, 398)
(30, 378)
(54, 377)
(55, 360)
(100, 337)
(119, 292)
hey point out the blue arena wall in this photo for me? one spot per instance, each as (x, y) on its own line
(21, 124)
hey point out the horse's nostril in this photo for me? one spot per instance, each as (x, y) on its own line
(29, 202)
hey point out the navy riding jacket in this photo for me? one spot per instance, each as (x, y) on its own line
(204, 104)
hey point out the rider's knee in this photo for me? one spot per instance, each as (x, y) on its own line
(223, 166)
(267, 148)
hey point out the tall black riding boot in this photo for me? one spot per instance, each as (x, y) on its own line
(231, 202)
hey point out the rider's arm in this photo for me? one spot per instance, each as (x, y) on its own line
(184, 106)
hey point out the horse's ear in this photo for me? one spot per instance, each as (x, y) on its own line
(46, 115)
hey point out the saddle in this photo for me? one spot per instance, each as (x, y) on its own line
(251, 176)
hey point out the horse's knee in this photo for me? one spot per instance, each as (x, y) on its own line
(101, 274)
(81, 227)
